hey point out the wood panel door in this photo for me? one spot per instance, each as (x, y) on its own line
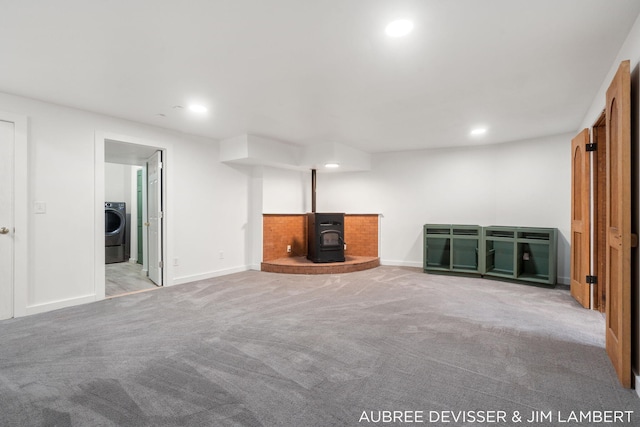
(618, 224)
(580, 224)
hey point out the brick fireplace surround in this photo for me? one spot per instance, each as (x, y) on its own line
(280, 230)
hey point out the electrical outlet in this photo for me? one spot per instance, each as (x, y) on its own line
(345, 246)
(176, 262)
(288, 249)
(221, 255)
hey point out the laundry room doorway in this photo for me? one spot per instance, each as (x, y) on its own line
(123, 273)
(131, 234)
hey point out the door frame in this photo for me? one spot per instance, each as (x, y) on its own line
(20, 211)
(598, 207)
(140, 215)
(99, 180)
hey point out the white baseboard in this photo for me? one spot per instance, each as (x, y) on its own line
(209, 275)
(54, 305)
(637, 383)
(563, 280)
(397, 263)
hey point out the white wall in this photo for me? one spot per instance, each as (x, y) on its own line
(283, 191)
(520, 184)
(211, 213)
(207, 203)
(117, 183)
(524, 183)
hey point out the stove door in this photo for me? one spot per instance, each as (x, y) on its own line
(330, 240)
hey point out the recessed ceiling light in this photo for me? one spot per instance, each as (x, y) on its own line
(399, 28)
(331, 165)
(196, 108)
(478, 131)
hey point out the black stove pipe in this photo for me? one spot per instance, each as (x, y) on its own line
(313, 190)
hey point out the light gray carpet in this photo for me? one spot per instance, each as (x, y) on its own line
(264, 349)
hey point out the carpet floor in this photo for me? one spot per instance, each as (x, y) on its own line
(265, 349)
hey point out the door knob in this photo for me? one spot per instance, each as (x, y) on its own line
(146, 224)
(4, 230)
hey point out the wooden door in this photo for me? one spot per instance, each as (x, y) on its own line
(618, 224)
(580, 225)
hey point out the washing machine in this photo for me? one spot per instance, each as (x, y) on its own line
(115, 225)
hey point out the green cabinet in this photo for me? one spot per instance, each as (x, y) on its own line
(537, 255)
(452, 248)
(526, 254)
(499, 252)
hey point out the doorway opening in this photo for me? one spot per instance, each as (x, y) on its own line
(130, 229)
(126, 255)
(598, 206)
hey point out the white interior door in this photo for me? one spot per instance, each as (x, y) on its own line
(7, 138)
(154, 212)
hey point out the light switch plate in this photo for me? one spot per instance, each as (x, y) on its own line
(40, 207)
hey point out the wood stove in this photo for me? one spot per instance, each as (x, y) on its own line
(325, 237)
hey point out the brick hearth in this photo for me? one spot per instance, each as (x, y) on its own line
(301, 265)
(280, 230)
